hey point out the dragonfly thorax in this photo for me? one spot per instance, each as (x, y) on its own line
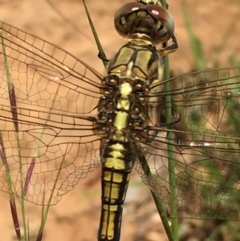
(123, 113)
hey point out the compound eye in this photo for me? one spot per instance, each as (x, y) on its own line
(126, 9)
(163, 16)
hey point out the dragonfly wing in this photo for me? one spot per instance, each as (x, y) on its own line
(203, 145)
(48, 107)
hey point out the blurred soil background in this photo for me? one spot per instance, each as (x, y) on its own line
(76, 217)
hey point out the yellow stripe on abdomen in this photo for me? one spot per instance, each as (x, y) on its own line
(115, 179)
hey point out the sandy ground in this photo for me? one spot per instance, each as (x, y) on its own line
(76, 217)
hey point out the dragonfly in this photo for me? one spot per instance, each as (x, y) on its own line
(60, 119)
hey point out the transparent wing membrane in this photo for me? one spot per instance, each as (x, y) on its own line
(49, 135)
(56, 99)
(205, 145)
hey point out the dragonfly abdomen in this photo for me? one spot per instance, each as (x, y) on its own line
(118, 162)
(124, 115)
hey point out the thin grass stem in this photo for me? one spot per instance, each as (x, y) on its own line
(170, 138)
(13, 106)
(157, 201)
(99, 45)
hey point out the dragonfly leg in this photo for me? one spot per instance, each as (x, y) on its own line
(103, 57)
(169, 49)
(154, 133)
(176, 119)
(166, 5)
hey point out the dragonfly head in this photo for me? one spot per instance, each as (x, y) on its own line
(148, 22)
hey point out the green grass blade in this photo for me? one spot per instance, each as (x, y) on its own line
(195, 43)
(45, 210)
(157, 201)
(14, 213)
(171, 162)
(10, 186)
(25, 181)
(13, 106)
(99, 45)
